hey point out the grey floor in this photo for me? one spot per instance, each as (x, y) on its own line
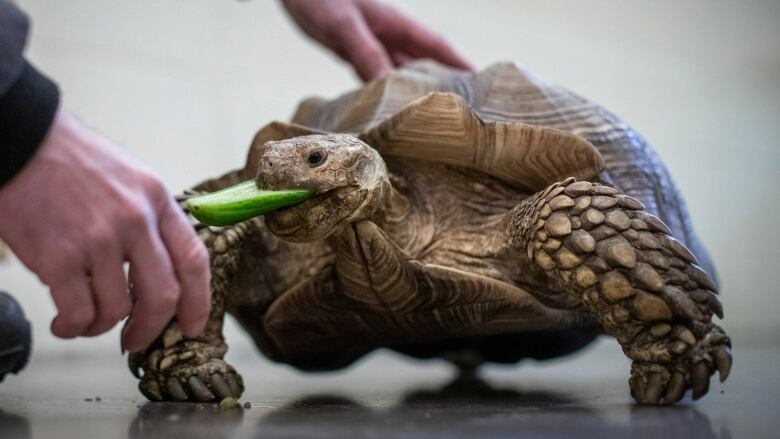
(387, 395)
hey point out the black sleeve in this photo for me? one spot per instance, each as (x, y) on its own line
(28, 100)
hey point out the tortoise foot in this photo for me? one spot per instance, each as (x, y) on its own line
(211, 381)
(675, 358)
(186, 370)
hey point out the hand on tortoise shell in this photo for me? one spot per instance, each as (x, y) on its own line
(78, 211)
(370, 35)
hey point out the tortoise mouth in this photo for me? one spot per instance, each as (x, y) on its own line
(321, 209)
(318, 198)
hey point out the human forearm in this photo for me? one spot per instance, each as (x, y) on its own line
(28, 100)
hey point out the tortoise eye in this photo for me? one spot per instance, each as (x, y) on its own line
(316, 158)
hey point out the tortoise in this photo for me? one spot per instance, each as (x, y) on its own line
(477, 217)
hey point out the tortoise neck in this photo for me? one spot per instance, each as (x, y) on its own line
(397, 215)
(396, 207)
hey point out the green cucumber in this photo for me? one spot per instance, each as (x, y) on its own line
(241, 202)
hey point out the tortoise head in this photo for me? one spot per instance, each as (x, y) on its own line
(349, 180)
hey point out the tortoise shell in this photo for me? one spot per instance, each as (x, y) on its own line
(396, 113)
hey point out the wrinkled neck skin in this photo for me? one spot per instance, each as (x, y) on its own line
(394, 214)
(382, 205)
(378, 192)
(356, 243)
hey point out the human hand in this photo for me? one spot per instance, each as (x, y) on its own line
(371, 35)
(80, 209)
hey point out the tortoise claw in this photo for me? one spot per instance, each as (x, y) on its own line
(151, 390)
(220, 386)
(675, 389)
(723, 361)
(199, 390)
(654, 388)
(715, 305)
(700, 380)
(175, 389)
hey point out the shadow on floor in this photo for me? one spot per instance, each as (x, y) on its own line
(14, 426)
(462, 408)
(184, 420)
(674, 421)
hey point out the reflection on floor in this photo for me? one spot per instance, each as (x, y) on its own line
(389, 396)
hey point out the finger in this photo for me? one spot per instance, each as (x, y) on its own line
(109, 290)
(155, 290)
(191, 264)
(417, 41)
(75, 307)
(357, 45)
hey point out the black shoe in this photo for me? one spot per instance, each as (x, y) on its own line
(15, 336)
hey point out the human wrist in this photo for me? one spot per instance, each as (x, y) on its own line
(16, 190)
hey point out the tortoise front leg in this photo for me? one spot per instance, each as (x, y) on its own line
(641, 283)
(179, 369)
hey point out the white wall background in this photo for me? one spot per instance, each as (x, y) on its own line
(184, 84)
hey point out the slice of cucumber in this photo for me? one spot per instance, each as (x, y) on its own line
(241, 202)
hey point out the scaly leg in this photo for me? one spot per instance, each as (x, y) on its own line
(182, 369)
(642, 284)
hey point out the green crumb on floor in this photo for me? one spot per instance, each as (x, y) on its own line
(229, 403)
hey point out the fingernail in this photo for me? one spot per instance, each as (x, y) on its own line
(125, 329)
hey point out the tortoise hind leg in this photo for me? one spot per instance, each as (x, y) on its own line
(641, 283)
